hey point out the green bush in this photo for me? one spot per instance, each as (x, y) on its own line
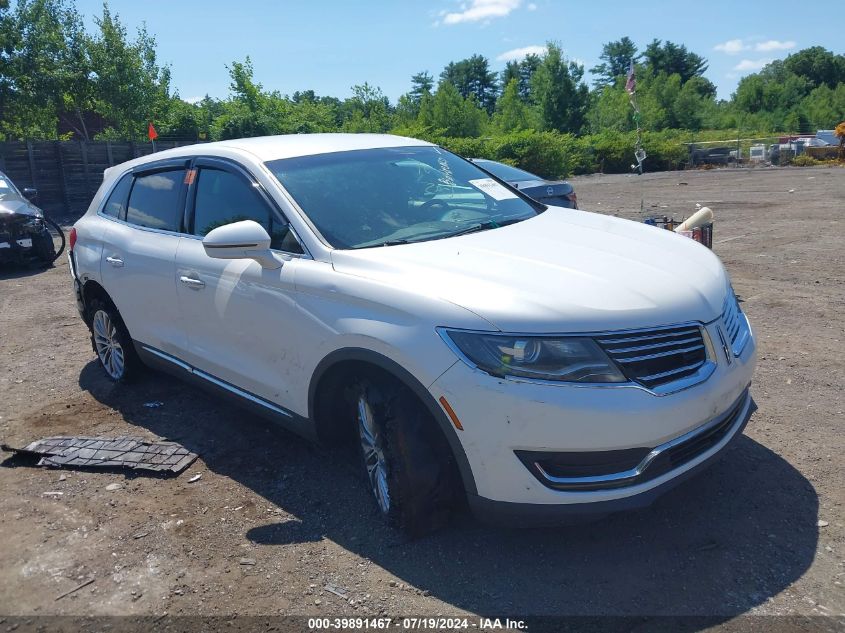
(553, 155)
(804, 161)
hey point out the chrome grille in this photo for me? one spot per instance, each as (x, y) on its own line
(736, 325)
(657, 356)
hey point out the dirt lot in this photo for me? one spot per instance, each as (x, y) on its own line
(273, 520)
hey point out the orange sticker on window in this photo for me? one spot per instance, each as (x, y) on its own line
(190, 176)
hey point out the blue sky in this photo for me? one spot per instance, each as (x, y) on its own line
(330, 45)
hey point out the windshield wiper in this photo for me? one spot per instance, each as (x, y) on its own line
(394, 242)
(484, 226)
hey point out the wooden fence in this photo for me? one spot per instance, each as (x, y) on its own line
(68, 173)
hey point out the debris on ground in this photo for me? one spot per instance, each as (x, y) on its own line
(75, 589)
(114, 486)
(196, 477)
(822, 523)
(341, 593)
(247, 562)
(108, 452)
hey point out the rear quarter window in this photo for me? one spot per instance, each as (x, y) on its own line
(115, 206)
(155, 200)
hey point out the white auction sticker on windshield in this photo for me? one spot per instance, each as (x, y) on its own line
(493, 189)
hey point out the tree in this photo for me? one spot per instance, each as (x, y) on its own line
(819, 66)
(408, 106)
(368, 110)
(672, 58)
(839, 130)
(421, 84)
(472, 76)
(249, 112)
(611, 109)
(130, 88)
(522, 71)
(616, 59)
(558, 93)
(38, 65)
(450, 114)
(512, 113)
(824, 107)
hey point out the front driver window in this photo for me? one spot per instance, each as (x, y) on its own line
(224, 197)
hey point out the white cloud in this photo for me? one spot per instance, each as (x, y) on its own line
(752, 64)
(516, 54)
(193, 100)
(531, 7)
(773, 45)
(482, 11)
(734, 47)
(731, 47)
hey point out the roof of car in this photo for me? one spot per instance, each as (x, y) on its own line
(266, 148)
(293, 145)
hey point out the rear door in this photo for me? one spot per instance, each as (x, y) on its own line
(139, 254)
(241, 319)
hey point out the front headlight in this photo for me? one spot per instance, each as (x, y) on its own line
(562, 358)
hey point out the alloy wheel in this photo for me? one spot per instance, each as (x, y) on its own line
(109, 349)
(374, 460)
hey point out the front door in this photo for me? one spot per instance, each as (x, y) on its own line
(239, 318)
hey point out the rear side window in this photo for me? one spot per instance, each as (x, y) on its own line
(154, 201)
(224, 197)
(115, 206)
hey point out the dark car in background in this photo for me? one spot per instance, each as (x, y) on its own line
(24, 233)
(558, 193)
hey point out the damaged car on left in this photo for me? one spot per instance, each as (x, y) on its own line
(24, 230)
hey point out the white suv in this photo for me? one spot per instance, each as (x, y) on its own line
(475, 345)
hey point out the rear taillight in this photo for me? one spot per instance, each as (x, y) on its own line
(572, 198)
(72, 237)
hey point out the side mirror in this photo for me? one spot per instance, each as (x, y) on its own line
(30, 193)
(241, 240)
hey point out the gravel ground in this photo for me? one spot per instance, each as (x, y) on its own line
(274, 521)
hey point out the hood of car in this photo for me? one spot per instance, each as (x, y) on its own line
(17, 205)
(562, 271)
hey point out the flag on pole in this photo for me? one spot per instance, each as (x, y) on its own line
(631, 83)
(151, 132)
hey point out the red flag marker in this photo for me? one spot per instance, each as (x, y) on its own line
(151, 132)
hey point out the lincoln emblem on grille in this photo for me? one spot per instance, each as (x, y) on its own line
(549, 191)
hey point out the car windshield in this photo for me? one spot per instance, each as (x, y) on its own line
(506, 172)
(387, 196)
(7, 188)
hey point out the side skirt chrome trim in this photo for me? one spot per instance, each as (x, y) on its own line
(169, 358)
(216, 381)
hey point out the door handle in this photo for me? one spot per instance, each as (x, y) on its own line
(115, 261)
(191, 282)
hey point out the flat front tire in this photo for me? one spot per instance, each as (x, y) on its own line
(408, 472)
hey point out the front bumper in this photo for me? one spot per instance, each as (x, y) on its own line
(15, 247)
(510, 425)
(543, 514)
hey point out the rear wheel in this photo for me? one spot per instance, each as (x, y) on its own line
(111, 342)
(409, 473)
